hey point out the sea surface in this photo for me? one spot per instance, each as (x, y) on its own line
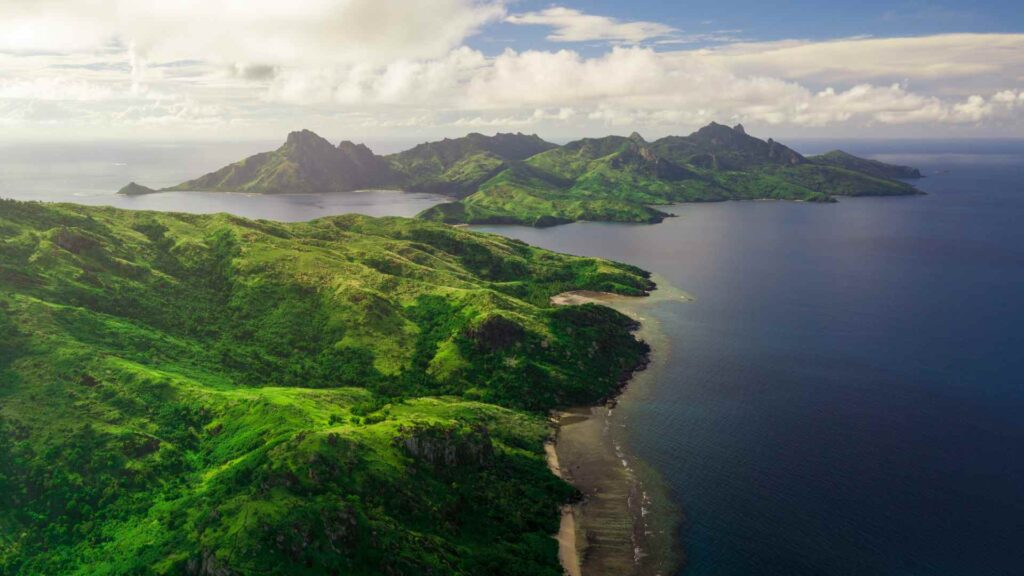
(845, 393)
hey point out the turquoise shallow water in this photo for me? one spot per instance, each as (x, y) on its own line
(846, 393)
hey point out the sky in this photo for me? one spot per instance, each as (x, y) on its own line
(373, 70)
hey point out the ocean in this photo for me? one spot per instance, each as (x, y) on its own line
(845, 393)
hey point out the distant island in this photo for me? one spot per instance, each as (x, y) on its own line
(522, 179)
(133, 189)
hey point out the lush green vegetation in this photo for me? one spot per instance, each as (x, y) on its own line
(184, 394)
(523, 194)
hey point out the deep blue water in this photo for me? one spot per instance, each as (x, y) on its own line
(846, 393)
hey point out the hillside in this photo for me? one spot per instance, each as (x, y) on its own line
(870, 167)
(619, 179)
(304, 163)
(459, 166)
(307, 163)
(184, 394)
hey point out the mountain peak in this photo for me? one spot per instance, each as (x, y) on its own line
(636, 137)
(714, 129)
(739, 129)
(351, 147)
(305, 138)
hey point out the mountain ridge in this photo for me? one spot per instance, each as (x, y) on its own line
(523, 179)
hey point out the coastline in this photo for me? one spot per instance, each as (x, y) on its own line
(625, 523)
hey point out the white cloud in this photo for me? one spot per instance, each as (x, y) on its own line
(398, 66)
(176, 112)
(54, 25)
(627, 85)
(574, 26)
(54, 88)
(945, 59)
(254, 32)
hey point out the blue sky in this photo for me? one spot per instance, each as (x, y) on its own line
(815, 20)
(372, 69)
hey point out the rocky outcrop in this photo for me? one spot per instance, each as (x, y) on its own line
(207, 564)
(495, 333)
(447, 446)
(74, 240)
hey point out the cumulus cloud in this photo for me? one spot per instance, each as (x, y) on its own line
(628, 85)
(254, 32)
(571, 25)
(54, 88)
(401, 66)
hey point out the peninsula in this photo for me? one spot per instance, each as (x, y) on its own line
(206, 394)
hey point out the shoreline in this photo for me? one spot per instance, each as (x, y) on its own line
(568, 555)
(625, 523)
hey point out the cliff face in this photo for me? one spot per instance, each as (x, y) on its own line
(447, 446)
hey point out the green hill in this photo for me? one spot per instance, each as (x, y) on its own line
(185, 394)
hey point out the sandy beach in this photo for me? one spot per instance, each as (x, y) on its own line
(625, 523)
(567, 551)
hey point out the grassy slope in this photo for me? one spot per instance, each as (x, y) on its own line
(525, 195)
(213, 395)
